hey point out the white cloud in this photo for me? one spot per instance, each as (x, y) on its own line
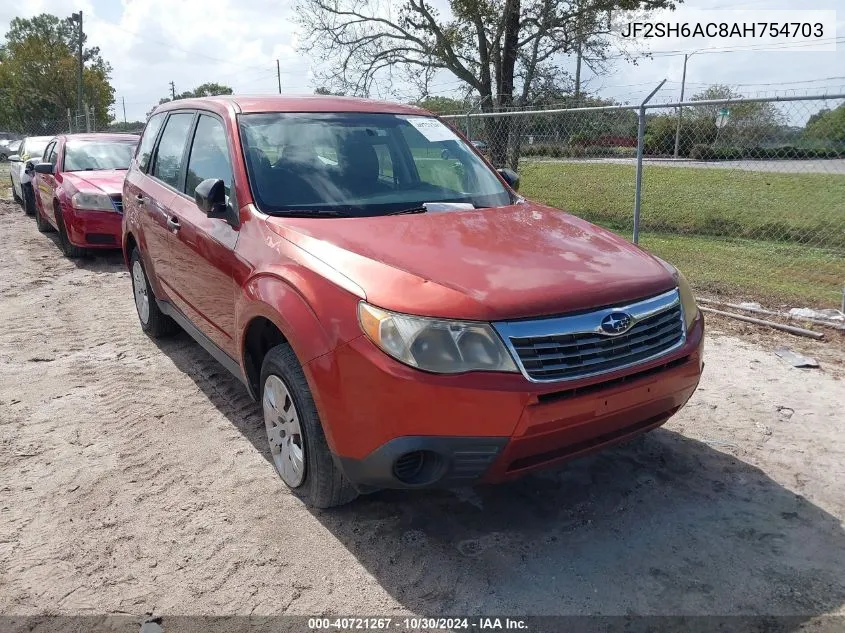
(236, 42)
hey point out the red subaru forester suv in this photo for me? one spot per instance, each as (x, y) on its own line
(405, 318)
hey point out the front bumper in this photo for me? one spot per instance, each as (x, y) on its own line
(93, 229)
(390, 426)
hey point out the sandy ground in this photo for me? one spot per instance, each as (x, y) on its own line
(134, 479)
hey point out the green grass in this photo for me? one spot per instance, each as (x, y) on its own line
(760, 235)
(764, 271)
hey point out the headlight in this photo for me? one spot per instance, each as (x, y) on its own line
(436, 345)
(687, 299)
(92, 201)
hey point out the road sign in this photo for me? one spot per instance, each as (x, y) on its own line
(722, 117)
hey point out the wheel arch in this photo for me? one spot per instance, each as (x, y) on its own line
(274, 313)
(129, 243)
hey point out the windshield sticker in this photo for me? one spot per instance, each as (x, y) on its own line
(433, 207)
(432, 129)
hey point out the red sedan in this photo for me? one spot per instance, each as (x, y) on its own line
(78, 190)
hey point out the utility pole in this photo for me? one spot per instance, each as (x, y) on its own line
(123, 99)
(77, 18)
(579, 34)
(173, 90)
(279, 76)
(681, 108)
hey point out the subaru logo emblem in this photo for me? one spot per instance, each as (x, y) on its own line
(616, 323)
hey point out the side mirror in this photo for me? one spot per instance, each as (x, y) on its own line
(14, 158)
(210, 196)
(44, 168)
(511, 177)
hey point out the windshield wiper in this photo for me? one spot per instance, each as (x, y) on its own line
(325, 213)
(408, 211)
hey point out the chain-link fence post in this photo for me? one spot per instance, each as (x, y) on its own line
(87, 119)
(640, 149)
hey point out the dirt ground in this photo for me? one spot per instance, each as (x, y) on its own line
(134, 478)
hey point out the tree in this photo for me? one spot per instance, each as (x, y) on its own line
(442, 105)
(828, 125)
(38, 75)
(495, 47)
(322, 90)
(208, 89)
(750, 122)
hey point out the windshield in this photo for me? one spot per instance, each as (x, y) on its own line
(96, 155)
(361, 164)
(34, 148)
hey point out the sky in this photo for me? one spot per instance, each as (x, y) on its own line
(150, 43)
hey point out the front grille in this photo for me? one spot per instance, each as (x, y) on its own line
(571, 347)
(117, 201)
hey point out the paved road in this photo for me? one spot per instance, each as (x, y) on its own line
(832, 166)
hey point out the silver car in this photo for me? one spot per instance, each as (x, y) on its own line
(31, 148)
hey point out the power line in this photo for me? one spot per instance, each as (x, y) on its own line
(774, 83)
(750, 47)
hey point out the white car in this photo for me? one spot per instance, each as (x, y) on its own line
(32, 148)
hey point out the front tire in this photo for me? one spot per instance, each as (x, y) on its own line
(40, 221)
(298, 445)
(28, 201)
(68, 249)
(153, 321)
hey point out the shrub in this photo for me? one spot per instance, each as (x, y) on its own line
(660, 134)
(598, 150)
(786, 152)
(580, 139)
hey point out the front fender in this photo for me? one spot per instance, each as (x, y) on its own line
(274, 299)
(315, 316)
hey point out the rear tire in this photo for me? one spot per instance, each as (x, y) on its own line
(68, 249)
(319, 483)
(15, 195)
(41, 222)
(153, 321)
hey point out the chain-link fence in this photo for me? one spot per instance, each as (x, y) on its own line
(12, 134)
(746, 196)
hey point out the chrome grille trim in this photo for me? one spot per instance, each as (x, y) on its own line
(566, 348)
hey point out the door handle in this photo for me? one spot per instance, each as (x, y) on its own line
(141, 199)
(173, 223)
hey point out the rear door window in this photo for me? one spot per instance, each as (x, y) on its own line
(145, 149)
(171, 148)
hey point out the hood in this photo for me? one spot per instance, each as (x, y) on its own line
(109, 181)
(486, 264)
